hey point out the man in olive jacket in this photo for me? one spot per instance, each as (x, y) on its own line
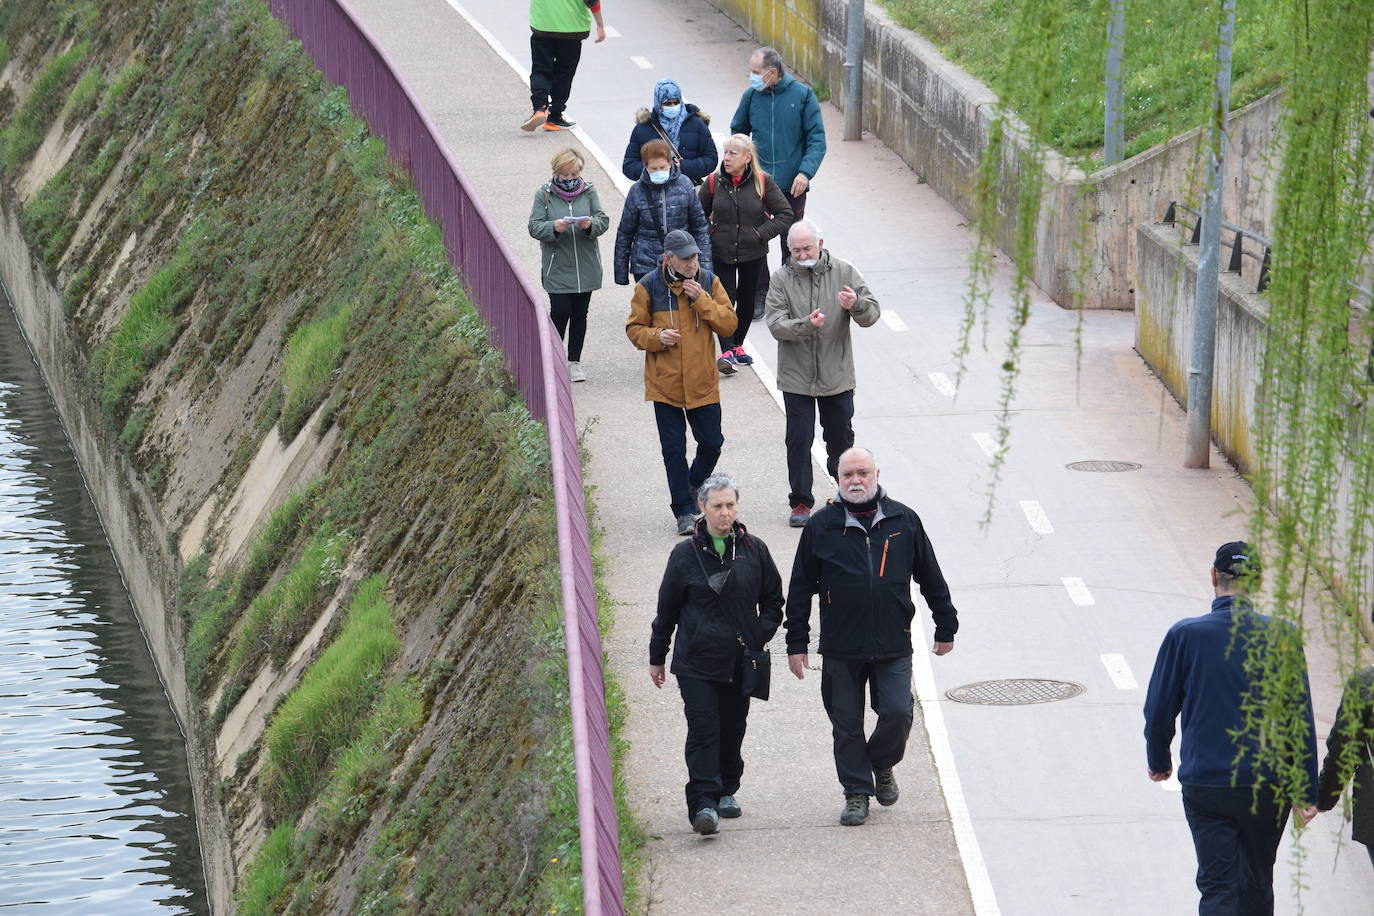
(673, 313)
(859, 555)
(812, 301)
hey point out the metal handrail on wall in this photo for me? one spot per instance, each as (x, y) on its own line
(1237, 246)
(348, 55)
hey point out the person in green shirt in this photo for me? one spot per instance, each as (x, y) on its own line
(557, 30)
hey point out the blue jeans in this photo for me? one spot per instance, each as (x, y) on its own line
(672, 439)
(1235, 848)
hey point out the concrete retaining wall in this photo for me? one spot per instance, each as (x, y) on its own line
(936, 116)
(1164, 334)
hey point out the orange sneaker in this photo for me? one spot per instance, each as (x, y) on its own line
(559, 123)
(539, 117)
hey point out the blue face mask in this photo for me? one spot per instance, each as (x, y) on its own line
(670, 111)
(755, 81)
(660, 177)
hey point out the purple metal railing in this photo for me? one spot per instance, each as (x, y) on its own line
(349, 56)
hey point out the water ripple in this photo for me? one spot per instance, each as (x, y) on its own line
(95, 802)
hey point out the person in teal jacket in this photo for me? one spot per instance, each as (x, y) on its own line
(567, 218)
(557, 30)
(783, 116)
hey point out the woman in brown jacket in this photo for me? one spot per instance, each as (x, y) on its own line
(744, 208)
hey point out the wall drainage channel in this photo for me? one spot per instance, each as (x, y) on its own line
(1103, 467)
(1015, 691)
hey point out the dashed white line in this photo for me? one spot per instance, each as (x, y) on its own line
(943, 384)
(1035, 514)
(1078, 591)
(986, 443)
(894, 321)
(612, 33)
(1119, 671)
(641, 62)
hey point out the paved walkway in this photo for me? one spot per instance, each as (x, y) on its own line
(1052, 797)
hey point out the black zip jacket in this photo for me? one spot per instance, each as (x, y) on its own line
(706, 598)
(862, 577)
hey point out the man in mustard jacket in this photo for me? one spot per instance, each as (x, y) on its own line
(673, 314)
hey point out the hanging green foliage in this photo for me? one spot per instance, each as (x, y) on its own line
(1314, 482)
(1026, 88)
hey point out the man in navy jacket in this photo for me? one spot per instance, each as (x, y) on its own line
(1235, 804)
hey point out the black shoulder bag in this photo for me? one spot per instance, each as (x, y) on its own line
(756, 671)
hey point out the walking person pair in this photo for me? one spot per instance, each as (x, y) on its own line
(721, 598)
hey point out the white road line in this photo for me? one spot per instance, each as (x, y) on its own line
(641, 62)
(894, 321)
(943, 384)
(986, 443)
(1078, 592)
(611, 167)
(975, 870)
(612, 33)
(1035, 514)
(1119, 671)
(932, 713)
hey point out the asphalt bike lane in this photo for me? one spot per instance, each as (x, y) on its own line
(1077, 576)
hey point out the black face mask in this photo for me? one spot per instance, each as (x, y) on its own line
(674, 276)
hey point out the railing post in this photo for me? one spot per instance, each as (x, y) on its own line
(1114, 128)
(854, 73)
(1198, 454)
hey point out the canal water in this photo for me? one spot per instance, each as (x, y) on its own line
(96, 814)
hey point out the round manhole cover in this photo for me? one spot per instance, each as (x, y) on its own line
(1103, 466)
(1015, 691)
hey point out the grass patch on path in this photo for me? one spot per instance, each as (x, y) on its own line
(1167, 69)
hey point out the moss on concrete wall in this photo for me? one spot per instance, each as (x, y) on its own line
(292, 408)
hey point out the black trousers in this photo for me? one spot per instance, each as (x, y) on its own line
(798, 205)
(837, 415)
(741, 282)
(569, 314)
(1235, 848)
(716, 715)
(888, 683)
(553, 64)
(672, 441)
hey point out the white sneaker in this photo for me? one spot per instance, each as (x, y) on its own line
(575, 372)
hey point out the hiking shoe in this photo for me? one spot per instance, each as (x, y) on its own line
(741, 358)
(885, 784)
(707, 822)
(726, 364)
(685, 524)
(575, 371)
(558, 122)
(800, 513)
(854, 814)
(728, 807)
(535, 120)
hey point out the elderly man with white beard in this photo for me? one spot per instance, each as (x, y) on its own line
(859, 553)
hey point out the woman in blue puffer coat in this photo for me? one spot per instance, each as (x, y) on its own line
(683, 127)
(662, 200)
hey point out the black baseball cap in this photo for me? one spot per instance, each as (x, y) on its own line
(1236, 558)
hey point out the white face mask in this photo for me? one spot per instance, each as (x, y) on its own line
(809, 262)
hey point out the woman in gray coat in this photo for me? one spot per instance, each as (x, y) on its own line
(566, 219)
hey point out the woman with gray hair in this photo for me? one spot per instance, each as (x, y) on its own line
(722, 594)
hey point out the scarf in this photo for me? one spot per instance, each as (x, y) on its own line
(569, 196)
